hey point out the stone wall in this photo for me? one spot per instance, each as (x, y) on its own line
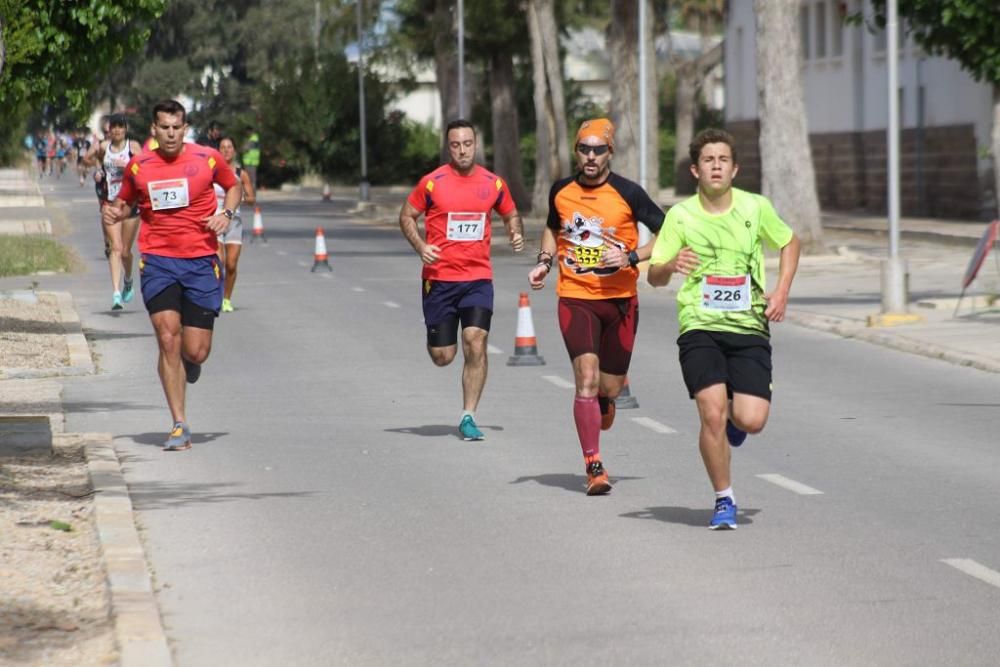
(938, 174)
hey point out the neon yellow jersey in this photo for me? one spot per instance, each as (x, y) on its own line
(726, 292)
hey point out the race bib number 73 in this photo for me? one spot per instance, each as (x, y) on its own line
(168, 194)
(466, 226)
(726, 292)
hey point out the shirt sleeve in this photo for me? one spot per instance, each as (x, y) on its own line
(420, 196)
(775, 232)
(645, 210)
(552, 221)
(505, 203)
(224, 174)
(128, 192)
(670, 240)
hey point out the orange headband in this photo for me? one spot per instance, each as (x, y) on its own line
(602, 128)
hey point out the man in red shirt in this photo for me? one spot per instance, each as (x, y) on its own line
(457, 200)
(181, 276)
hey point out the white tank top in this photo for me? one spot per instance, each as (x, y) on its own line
(220, 196)
(114, 167)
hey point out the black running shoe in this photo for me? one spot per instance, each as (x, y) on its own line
(192, 370)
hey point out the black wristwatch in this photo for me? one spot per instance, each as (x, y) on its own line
(633, 258)
(228, 213)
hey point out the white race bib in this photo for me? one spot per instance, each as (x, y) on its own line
(466, 226)
(726, 292)
(168, 194)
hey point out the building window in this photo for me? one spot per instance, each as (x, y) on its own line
(821, 29)
(837, 28)
(804, 30)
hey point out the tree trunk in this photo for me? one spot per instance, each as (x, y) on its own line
(622, 47)
(554, 77)
(995, 136)
(543, 122)
(445, 66)
(652, 184)
(506, 133)
(685, 107)
(3, 51)
(787, 174)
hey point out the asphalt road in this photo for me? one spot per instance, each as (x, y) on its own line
(329, 514)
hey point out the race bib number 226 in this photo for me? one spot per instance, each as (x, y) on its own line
(726, 292)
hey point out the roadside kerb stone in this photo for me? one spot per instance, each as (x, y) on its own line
(138, 627)
(854, 329)
(25, 227)
(80, 361)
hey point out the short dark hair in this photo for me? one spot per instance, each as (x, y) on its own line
(117, 120)
(228, 138)
(456, 124)
(170, 107)
(712, 135)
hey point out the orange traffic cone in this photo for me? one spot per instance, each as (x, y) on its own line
(525, 345)
(320, 258)
(326, 192)
(258, 227)
(625, 400)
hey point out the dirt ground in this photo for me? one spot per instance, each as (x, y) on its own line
(54, 607)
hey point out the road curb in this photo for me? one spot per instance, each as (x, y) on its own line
(856, 329)
(138, 629)
(80, 361)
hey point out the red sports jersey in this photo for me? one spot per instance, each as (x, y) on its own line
(458, 217)
(175, 196)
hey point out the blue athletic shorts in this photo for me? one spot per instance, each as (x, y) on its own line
(199, 278)
(446, 303)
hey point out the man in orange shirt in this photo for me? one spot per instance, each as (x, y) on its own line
(592, 234)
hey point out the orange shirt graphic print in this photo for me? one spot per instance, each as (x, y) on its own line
(585, 241)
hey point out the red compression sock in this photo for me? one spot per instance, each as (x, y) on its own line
(587, 415)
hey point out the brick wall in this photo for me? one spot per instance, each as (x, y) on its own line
(938, 174)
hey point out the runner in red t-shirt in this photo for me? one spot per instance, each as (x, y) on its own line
(457, 200)
(181, 276)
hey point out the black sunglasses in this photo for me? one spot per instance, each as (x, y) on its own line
(584, 149)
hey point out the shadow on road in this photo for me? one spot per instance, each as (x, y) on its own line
(575, 483)
(166, 495)
(685, 516)
(157, 438)
(438, 430)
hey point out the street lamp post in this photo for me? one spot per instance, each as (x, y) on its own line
(894, 268)
(361, 106)
(461, 59)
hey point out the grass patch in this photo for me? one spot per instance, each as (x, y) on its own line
(23, 255)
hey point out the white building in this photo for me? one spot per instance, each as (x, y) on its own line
(945, 115)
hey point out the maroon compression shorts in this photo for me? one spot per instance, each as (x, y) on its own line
(605, 327)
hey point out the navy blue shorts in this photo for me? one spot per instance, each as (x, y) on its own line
(199, 279)
(446, 303)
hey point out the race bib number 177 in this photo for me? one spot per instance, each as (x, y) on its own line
(466, 226)
(168, 194)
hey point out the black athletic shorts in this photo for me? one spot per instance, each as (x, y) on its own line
(740, 361)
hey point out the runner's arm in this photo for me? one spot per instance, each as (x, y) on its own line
(684, 263)
(95, 155)
(249, 196)
(515, 230)
(408, 224)
(788, 264)
(546, 256)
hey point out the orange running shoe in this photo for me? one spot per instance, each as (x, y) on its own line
(597, 479)
(608, 418)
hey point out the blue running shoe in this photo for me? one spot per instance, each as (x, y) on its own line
(191, 370)
(128, 292)
(735, 435)
(725, 515)
(116, 301)
(469, 430)
(179, 438)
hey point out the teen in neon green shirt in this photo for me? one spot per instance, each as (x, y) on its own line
(715, 240)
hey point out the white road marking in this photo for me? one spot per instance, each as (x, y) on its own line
(282, 253)
(974, 569)
(390, 304)
(559, 382)
(653, 425)
(493, 349)
(326, 275)
(791, 485)
(303, 265)
(357, 289)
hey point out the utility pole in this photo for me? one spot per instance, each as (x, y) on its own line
(361, 105)
(461, 59)
(894, 269)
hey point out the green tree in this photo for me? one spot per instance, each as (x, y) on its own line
(59, 50)
(967, 31)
